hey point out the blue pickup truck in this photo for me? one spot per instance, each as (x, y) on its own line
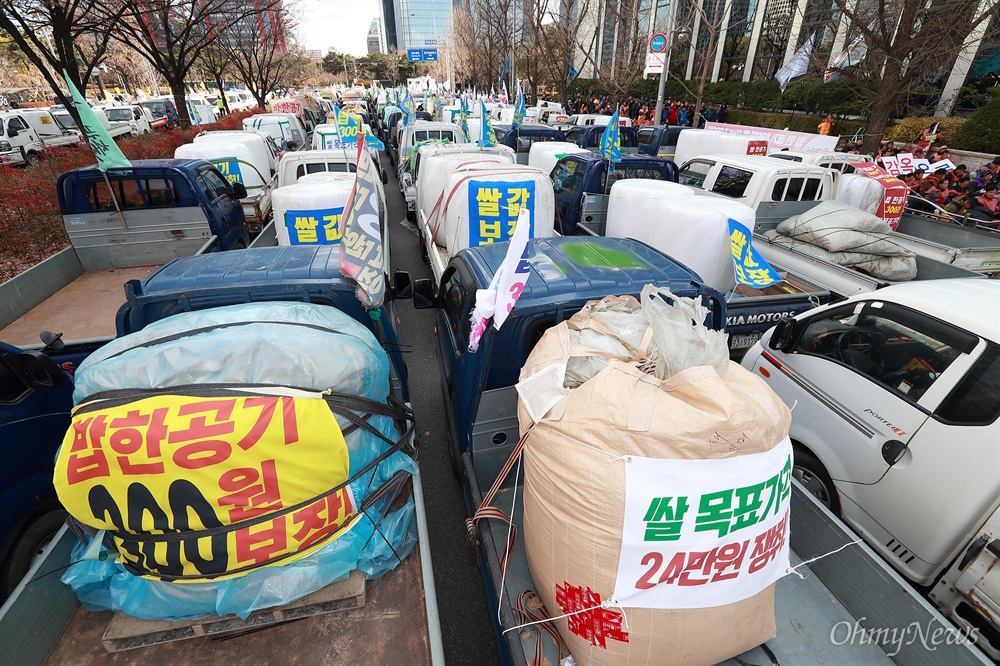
(589, 137)
(214, 280)
(581, 185)
(481, 404)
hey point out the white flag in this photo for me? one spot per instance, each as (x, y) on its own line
(505, 288)
(797, 65)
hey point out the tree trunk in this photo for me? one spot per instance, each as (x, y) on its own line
(177, 89)
(222, 94)
(877, 120)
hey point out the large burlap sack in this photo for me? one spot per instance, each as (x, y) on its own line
(574, 495)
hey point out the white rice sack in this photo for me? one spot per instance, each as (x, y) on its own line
(837, 227)
(892, 268)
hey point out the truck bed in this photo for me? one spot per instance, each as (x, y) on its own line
(836, 593)
(975, 249)
(85, 308)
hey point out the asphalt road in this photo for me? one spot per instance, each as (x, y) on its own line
(465, 618)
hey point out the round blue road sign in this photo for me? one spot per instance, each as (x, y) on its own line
(658, 43)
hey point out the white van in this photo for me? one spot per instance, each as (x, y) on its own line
(596, 119)
(837, 161)
(138, 119)
(24, 134)
(896, 427)
(283, 127)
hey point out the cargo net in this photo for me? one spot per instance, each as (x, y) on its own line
(207, 482)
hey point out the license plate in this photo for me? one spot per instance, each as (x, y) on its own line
(742, 341)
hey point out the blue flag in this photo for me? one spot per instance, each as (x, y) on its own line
(750, 267)
(572, 73)
(518, 120)
(464, 114)
(611, 144)
(409, 111)
(487, 138)
(506, 68)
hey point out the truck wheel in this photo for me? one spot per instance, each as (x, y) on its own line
(27, 547)
(423, 250)
(31, 159)
(810, 472)
(411, 216)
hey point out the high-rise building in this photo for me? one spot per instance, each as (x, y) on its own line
(374, 38)
(417, 23)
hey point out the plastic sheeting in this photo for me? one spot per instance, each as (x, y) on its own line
(435, 169)
(692, 229)
(313, 199)
(295, 344)
(453, 220)
(544, 155)
(692, 143)
(861, 192)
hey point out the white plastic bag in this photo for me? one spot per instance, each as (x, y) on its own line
(680, 333)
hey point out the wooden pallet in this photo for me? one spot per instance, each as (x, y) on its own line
(127, 633)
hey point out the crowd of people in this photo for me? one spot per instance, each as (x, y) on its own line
(642, 111)
(960, 192)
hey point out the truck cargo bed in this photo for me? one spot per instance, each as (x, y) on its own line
(85, 308)
(815, 617)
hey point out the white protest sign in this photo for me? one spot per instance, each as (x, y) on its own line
(704, 533)
(943, 164)
(891, 164)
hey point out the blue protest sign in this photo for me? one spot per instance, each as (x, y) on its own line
(320, 226)
(494, 207)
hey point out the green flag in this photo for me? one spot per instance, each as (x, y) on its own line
(109, 155)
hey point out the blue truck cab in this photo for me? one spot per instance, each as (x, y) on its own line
(660, 140)
(589, 137)
(581, 184)
(566, 272)
(169, 208)
(522, 139)
(478, 388)
(36, 396)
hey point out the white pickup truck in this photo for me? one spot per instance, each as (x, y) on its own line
(65, 120)
(138, 119)
(778, 189)
(896, 398)
(24, 134)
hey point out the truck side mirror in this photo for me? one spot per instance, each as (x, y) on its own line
(783, 335)
(240, 190)
(40, 371)
(423, 294)
(401, 285)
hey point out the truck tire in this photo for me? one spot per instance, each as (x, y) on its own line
(27, 547)
(809, 471)
(31, 159)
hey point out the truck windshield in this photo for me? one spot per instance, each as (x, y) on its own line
(117, 115)
(158, 108)
(64, 120)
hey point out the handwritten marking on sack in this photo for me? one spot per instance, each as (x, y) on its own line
(594, 623)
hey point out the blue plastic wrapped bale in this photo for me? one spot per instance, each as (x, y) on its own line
(239, 458)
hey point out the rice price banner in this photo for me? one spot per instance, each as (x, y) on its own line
(704, 533)
(348, 126)
(361, 257)
(494, 207)
(321, 226)
(894, 193)
(750, 267)
(184, 464)
(229, 167)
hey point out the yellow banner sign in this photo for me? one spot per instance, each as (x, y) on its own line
(174, 464)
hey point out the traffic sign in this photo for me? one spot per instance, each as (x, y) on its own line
(415, 55)
(654, 63)
(658, 43)
(430, 42)
(430, 55)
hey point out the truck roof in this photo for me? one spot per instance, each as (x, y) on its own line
(152, 164)
(758, 163)
(971, 304)
(581, 267)
(296, 273)
(589, 156)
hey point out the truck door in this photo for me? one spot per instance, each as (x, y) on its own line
(225, 215)
(567, 183)
(864, 378)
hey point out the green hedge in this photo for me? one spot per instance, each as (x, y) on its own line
(761, 103)
(981, 133)
(794, 121)
(910, 129)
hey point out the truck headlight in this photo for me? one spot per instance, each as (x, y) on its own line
(5, 146)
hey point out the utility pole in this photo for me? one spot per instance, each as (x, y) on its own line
(666, 65)
(347, 76)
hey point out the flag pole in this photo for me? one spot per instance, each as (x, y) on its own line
(114, 198)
